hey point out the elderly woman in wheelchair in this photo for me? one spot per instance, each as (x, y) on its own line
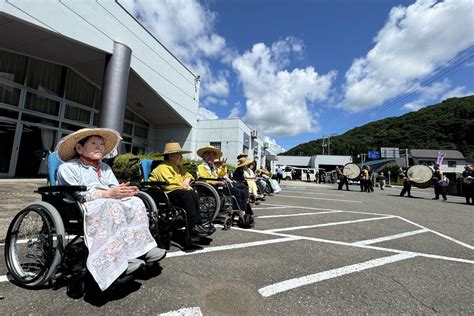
(114, 220)
(178, 187)
(209, 172)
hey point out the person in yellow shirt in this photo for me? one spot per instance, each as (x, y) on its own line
(178, 187)
(208, 170)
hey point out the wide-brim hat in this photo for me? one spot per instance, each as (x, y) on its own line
(66, 146)
(213, 149)
(243, 162)
(242, 155)
(173, 148)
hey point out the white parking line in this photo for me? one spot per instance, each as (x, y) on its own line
(234, 246)
(315, 198)
(342, 243)
(327, 224)
(188, 311)
(381, 239)
(321, 276)
(299, 214)
(439, 234)
(3, 278)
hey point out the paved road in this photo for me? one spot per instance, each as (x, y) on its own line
(314, 250)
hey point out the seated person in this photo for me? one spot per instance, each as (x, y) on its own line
(265, 175)
(248, 175)
(178, 188)
(207, 169)
(116, 229)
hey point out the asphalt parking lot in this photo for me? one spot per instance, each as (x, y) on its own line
(314, 250)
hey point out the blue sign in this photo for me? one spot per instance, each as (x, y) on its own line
(373, 155)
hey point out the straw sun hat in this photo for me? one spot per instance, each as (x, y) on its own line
(243, 162)
(242, 155)
(213, 149)
(66, 146)
(174, 148)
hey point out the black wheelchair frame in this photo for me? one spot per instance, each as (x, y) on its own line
(171, 218)
(37, 246)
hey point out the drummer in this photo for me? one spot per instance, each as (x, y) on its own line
(342, 179)
(406, 182)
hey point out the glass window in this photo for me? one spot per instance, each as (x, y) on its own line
(127, 147)
(37, 119)
(138, 150)
(9, 95)
(45, 77)
(77, 114)
(246, 141)
(451, 164)
(97, 96)
(71, 127)
(138, 120)
(79, 89)
(12, 67)
(129, 115)
(8, 113)
(127, 128)
(95, 120)
(40, 104)
(216, 144)
(141, 132)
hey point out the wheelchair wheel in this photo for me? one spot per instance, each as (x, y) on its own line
(209, 201)
(34, 244)
(152, 212)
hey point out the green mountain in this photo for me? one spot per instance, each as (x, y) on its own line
(447, 125)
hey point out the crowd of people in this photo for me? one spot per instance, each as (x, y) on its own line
(116, 226)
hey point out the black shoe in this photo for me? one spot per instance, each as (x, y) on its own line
(200, 231)
(435, 198)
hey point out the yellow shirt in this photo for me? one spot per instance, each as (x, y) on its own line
(222, 172)
(204, 171)
(366, 174)
(173, 175)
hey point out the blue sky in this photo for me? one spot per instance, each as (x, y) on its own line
(296, 70)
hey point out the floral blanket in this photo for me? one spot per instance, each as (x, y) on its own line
(115, 231)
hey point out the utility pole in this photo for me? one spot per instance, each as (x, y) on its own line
(329, 144)
(406, 157)
(323, 144)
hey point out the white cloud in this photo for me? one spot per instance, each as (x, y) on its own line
(205, 114)
(273, 145)
(218, 87)
(277, 99)
(414, 42)
(210, 100)
(234, 112)
(186, 28)
(435, 93)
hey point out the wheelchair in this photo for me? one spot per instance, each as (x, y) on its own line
(172, 219)
(44, 241)
(229, 208)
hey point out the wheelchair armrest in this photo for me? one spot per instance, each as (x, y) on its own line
(62, 188)
(210, 179)
(150, 183)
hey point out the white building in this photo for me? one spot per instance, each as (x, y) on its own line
(327, 162)
(453, 161)
(66, 65)
(233, 137)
